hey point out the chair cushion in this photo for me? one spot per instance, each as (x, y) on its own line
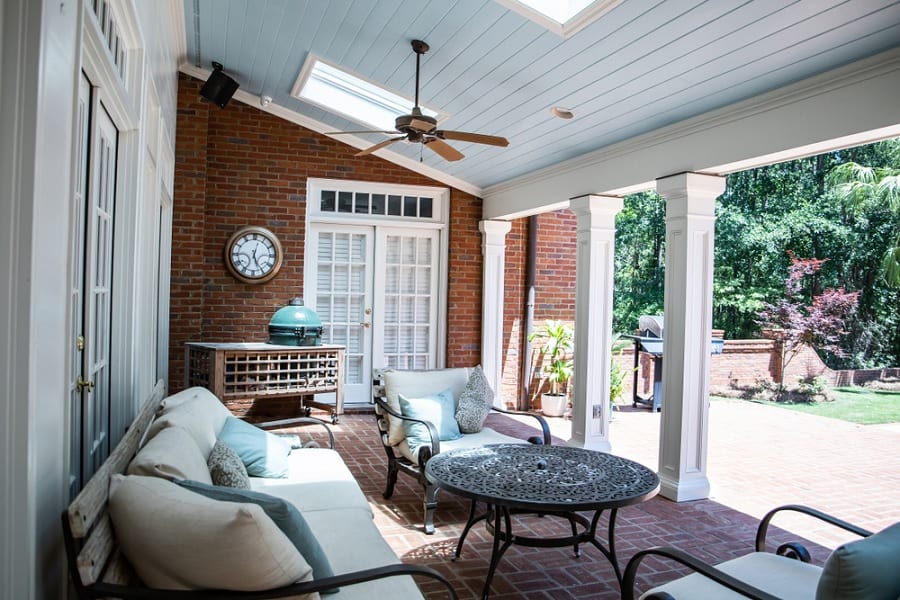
(283, 514)
(226, 468)
(474, 402)
(264, 454)
(171, 454)
(439, 409)
(866, 569)
(469, 440)
(177, 539)
(780, 576)
(415, 384)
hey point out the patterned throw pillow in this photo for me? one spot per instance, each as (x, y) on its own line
(474, 402)
(226, 468)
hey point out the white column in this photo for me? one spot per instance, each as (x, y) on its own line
(690, 229)
(594, 267)
(494, 251)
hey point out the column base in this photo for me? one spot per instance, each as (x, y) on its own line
(684, 490)
(600, 445)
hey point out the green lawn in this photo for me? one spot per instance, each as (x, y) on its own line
(853, 404)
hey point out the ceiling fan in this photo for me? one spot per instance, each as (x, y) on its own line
(419, 127)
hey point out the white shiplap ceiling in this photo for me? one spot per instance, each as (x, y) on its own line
(643, 65)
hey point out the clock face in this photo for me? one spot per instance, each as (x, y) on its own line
(253, 254)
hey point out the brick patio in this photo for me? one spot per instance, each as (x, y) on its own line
(759, 457)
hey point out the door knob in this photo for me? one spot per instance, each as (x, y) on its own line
(366, 324)
(83, 385)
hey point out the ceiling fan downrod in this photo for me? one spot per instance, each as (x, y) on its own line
(420, 48)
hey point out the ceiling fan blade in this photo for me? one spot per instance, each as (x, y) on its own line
(477, 138)
(445, 150)
(363, 131)
(421, 125)
(380, 145)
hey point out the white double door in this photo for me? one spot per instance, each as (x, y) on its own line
(376, 290)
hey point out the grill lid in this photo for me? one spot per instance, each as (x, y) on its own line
(651, 325)
(294, 316)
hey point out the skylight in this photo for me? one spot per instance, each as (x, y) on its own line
(563, 17)
(558, 10)
(339, 91)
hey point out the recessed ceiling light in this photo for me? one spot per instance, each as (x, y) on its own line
(562, 113)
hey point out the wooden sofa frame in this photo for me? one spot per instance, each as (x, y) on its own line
(401, 464)
(98, 568)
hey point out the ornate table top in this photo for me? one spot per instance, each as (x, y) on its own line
(543, 478)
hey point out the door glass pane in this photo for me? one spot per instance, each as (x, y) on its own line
(408, 302)
(340, 296)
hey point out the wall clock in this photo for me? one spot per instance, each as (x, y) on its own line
(253, 254)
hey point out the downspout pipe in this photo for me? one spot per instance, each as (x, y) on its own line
(530, 269)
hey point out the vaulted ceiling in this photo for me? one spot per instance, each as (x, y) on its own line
(642, 65)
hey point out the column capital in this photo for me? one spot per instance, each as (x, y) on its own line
(694, 184)
(593, 204)
(494, 228)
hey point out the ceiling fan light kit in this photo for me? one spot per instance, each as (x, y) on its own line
(417, 127)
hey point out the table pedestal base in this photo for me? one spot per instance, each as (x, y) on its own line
(498, 521)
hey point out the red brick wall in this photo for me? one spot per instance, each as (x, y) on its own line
(241, 166)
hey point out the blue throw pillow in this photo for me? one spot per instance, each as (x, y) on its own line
(264, 454)
(439, 409)
(283, 513)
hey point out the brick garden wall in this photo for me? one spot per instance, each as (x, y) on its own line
(241, 166)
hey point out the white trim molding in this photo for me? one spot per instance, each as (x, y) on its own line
(595, 252)
(690, 232)
(493, 248)
(845, 107)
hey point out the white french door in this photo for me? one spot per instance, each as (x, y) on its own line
(376, 290)
(91, 292)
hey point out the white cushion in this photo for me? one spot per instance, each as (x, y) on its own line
(317, 479)
(780, 576)
(177, 539)
(468, 440)
(352, 542)
(416, 384)
(171, 454)
(197, 413)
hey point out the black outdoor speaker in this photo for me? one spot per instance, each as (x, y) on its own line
(219, 88)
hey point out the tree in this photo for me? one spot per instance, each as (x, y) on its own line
(857, 186)
(818, 323)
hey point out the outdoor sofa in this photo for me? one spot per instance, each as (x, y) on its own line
(151, 524)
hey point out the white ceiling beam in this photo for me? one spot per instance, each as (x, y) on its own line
(845, 107)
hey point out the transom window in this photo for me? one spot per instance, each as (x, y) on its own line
(339, 91)
(331, 198)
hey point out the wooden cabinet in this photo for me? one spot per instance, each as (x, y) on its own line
(238, 371)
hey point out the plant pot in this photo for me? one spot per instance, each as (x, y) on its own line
(553, 405)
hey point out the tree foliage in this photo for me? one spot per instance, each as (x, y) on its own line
(819, 323)
(764, 213)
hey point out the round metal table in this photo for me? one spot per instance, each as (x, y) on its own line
(554, 481)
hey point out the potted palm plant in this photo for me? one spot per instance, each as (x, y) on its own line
(556, 353)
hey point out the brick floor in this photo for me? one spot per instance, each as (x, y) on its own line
(759, 457)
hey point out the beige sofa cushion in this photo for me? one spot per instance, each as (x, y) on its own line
(366, 549)
(317, 479)
(416, 384)
(198, 411)
(177, 539)
(171, 454)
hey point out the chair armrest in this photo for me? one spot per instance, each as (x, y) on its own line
(763, 528)
(296, 422)
(434, 447)
(696, 565)
(306, 587)
(545, 429)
